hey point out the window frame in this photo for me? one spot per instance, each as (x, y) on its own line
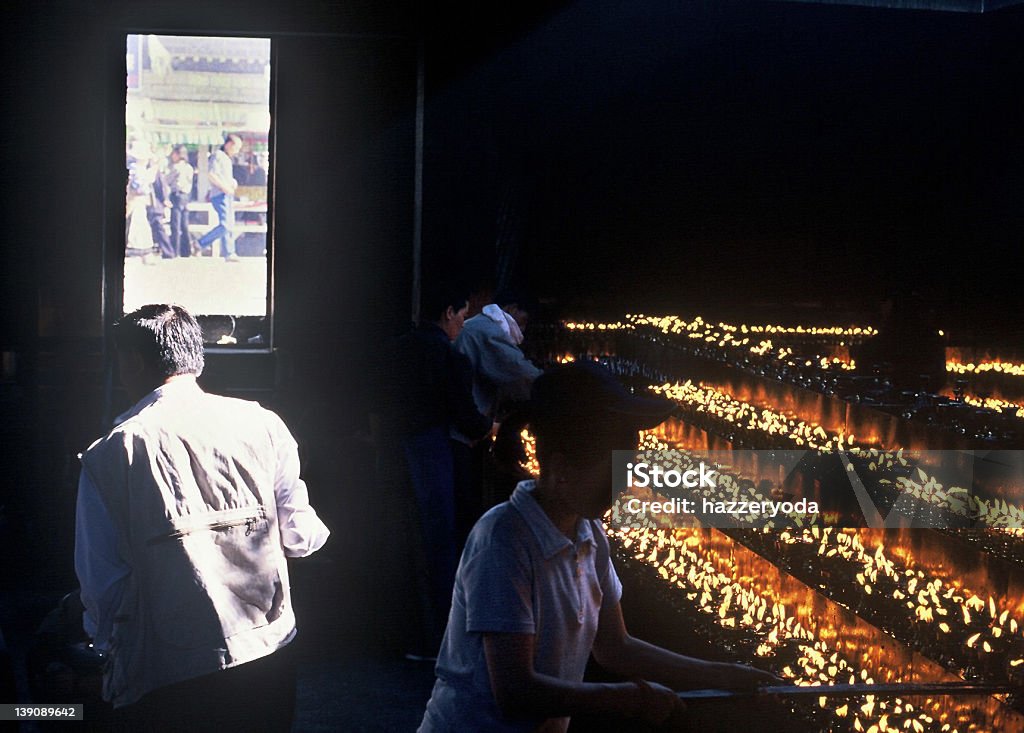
(116, 142)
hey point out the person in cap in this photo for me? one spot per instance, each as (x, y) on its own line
(536, 591)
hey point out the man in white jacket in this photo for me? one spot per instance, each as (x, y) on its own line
(186, 513)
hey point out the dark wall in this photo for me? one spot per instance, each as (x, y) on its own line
(697, 156)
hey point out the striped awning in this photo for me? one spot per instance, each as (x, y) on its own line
(164, 121)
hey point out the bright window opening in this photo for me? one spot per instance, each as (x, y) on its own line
(198, 158)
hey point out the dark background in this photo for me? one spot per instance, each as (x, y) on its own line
(733, 158)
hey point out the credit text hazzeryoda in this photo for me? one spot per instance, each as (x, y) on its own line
(644, 475)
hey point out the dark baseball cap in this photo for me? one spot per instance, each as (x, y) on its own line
(587, 390)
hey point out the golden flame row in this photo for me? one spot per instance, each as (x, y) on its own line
(994, 403)
(921, 485)
(1000, 367)
(677, 325)
(710, 580)
(726, 335)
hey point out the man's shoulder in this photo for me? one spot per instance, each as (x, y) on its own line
(600, 536)
(419, 347)
(480, 323)
(245, 409)
(432, 339)
(476, 329)
(116, 442)
(103, 443)
(170, 409)
(154, 424)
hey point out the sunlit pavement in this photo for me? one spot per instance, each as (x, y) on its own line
(204, 285)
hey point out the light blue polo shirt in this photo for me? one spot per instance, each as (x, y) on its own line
(520, 574)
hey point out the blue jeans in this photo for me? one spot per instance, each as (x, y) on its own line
(179, 224)
(224, 206)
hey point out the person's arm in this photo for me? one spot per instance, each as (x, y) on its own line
(101, 570)
(497, 575)
(227, 187)
(625, 656)
(168, 177)
(302, 531)
(520, 691)
(186, 175)
(228, 184)
(462, 412)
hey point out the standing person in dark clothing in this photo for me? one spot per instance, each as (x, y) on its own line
(433, 396)
(156, 211)
(179, 185)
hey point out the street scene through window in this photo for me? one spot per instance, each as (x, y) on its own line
(197, 136)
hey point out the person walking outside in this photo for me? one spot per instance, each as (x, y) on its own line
(222, 198)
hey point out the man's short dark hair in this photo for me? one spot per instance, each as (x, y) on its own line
(438, 296)
(167, 337)
(232, 136)
(181, 150)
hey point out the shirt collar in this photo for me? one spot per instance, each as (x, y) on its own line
(175, 387)
(548, 536)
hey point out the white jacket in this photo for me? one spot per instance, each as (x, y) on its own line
(203, 496)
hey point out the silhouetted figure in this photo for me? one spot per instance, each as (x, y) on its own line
(431, 396)
(908, 345)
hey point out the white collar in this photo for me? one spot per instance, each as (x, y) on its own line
(174, 387)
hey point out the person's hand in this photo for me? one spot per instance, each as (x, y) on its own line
(657, 704)
(742, 676)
